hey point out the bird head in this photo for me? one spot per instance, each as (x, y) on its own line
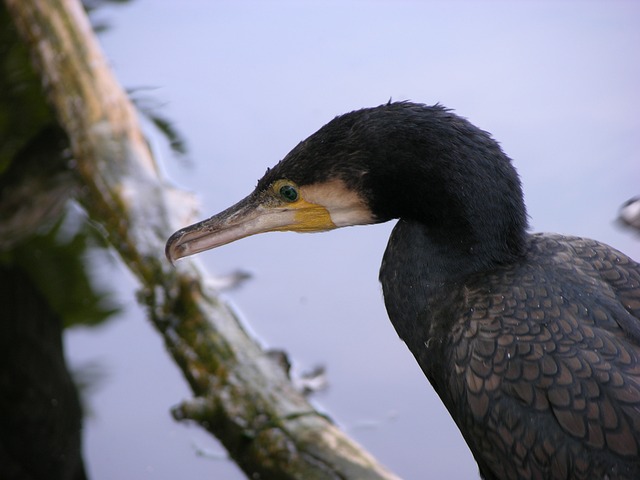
(312, 189)
(399, 160)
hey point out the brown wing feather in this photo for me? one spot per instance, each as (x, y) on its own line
(546, 364)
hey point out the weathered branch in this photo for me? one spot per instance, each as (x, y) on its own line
(243, 397)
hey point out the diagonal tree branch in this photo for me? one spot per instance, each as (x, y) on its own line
(242, 396)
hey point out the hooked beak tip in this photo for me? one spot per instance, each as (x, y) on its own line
(172, 248)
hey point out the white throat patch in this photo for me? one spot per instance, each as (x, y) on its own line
(345, 206)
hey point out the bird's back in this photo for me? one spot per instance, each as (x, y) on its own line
(538, 361)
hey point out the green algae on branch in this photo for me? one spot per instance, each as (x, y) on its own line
(242, 396)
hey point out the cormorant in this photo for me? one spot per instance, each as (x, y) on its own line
(532, 341)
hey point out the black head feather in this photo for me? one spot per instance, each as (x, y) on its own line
(420, 163)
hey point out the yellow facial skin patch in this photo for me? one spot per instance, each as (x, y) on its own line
(307, 216)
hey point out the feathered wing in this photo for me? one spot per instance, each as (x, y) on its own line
(546, 364)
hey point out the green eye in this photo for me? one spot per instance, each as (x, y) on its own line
(289, 193)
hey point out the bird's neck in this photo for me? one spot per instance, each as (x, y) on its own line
(421, 266)
(456, 181)
(417, 258)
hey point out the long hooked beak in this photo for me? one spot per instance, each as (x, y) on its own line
(257, 213)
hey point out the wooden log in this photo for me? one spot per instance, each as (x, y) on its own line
(241, 395)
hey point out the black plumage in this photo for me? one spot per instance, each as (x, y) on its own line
(531, 341)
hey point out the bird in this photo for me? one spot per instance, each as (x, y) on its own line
(531, 340)
(629, 214)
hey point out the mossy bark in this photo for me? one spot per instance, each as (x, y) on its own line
(241, 395)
